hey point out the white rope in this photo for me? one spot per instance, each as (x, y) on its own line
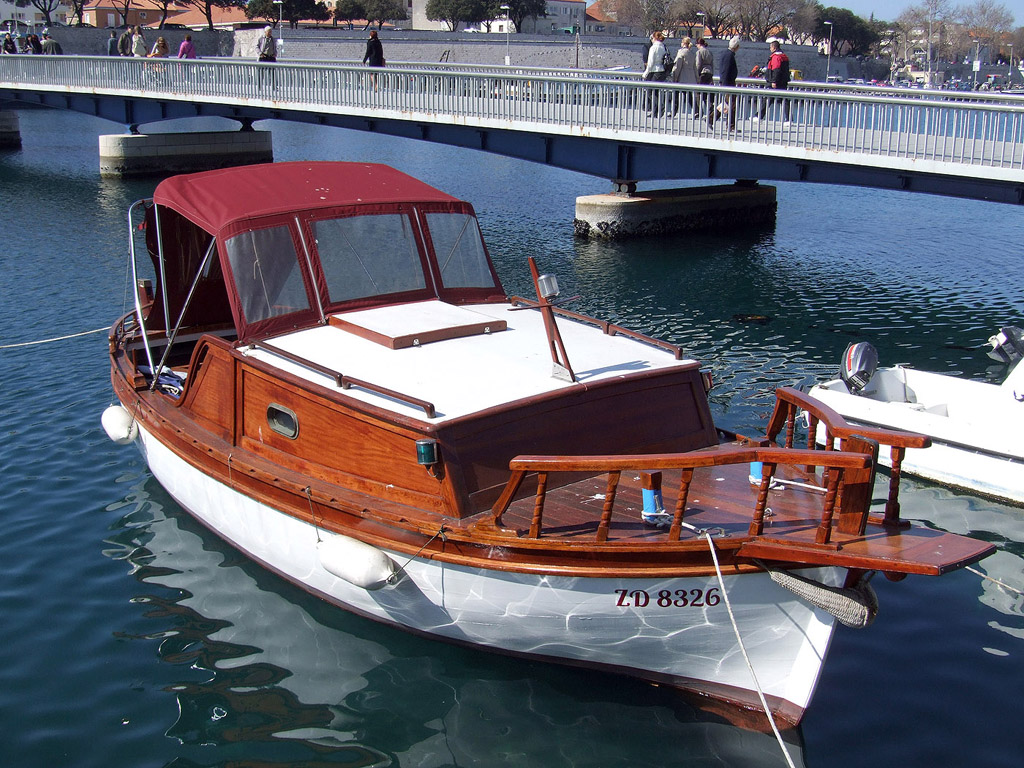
(55, 338)
(739, 639)
(997, 581)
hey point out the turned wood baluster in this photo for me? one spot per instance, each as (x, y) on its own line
(812, 432)
(790, 424)
(609, 502)
(829, 446)
(538, 505)
(757, 524)
(677, 518)
(824, 532)
(892, 504)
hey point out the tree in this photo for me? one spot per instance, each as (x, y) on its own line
(385, 10)
(265, 10)
(349, 10)
(205, 7)
(320, 12)
(760, 19)
(804, 23)
(520, 10)
(77, 7)
(849, 31)
(456, 12)
(987, 21)
(719, 15)
(45, 7)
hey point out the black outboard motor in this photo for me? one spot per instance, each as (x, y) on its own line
(1007, 345)
(860, 361)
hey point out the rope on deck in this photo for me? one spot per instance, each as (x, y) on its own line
(55, 338)
(739, 639)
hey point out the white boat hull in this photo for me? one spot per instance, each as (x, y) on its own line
(975, 427)
(672, 630)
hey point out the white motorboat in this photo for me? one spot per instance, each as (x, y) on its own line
(974, 427)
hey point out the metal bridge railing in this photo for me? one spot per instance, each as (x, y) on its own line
(957, 137)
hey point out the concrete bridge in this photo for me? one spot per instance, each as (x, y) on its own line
(599, 123)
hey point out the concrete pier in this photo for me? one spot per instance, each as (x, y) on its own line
(618, 216)
(10, 130)
(133, 155)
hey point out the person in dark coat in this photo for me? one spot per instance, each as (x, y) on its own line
(112, 44)
(124, 42)
(728, 71)
(374, 56)
(704, 66)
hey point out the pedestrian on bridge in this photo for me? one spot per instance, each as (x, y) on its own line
(187, 50)
(374, 55)
(655, 70)
(160, 49)
(728, 72)
(266, 48)
(683, 72)
(704, 65)
(9, 46)
(124, 42)
(34, 46)
(50, 47)
(112, 49)
(139, 49)
(776, 74)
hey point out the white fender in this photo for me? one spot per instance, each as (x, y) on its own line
(119, 425)
(356, 562)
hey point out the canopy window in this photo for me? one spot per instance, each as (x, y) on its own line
(368, 255)
(459, 250)
(268, 277)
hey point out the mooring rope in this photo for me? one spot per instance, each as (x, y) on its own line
(997, 581)
(750, 666)
(55, 338)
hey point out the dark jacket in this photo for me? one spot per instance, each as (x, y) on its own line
(124, 43)
(374, 55)
(727, 70)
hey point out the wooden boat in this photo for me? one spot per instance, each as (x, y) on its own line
(973, 427)
(327, 373)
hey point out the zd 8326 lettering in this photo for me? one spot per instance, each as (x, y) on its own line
(668, 598)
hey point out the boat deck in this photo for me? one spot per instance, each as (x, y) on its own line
(722, 500)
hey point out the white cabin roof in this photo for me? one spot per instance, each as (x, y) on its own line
(464, 375)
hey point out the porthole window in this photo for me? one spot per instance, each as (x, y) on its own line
(283, 420)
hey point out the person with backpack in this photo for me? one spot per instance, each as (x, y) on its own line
(776, 74)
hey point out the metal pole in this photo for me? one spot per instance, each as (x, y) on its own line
(280, 24)
(828, 61)
(508, 21)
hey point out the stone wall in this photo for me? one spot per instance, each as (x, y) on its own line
(87, 41)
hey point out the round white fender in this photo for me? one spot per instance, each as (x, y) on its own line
(119, 425)
(356, 562)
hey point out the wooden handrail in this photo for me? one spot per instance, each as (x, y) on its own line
(343, 381)
(788, 400)
(707, 457)
(837, 463)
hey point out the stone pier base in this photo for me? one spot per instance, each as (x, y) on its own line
(663, 211)
(10, 130)
(133, 155)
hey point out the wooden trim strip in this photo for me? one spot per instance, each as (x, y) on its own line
(345, 382)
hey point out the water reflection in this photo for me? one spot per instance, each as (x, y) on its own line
(274, 671)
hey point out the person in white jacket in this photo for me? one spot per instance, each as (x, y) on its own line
(655, 70)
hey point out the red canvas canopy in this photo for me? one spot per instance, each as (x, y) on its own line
(215, 199)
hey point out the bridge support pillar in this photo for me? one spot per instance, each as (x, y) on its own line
(133, 155)
(618, 216)
(10, 130)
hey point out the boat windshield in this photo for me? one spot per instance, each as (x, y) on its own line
(460, 250)
(365, 256)
(267, 273)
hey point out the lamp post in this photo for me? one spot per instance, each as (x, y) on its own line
(977, 62)
(700, 18)
(508, 56)
(828, 61)
(1009, 72)
(280, 23)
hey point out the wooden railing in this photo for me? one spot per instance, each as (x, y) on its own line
(789, 401)
(837, 464)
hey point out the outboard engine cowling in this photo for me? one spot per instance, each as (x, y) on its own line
(860, 361)
(1007, 345)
